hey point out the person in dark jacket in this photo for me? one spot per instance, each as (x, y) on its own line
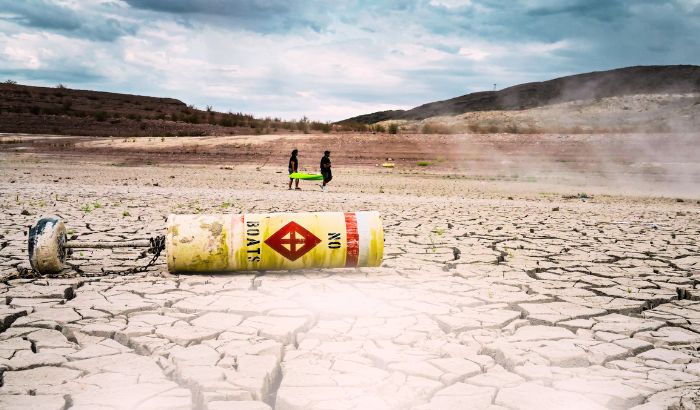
(326, 169)
(293, 167)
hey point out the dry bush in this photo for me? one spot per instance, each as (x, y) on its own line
(353, 126)
(495, 127)
(432, 128)
(324, 127)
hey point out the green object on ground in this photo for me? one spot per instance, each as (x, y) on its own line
(301, 175)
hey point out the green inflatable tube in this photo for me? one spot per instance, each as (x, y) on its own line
(301, 175)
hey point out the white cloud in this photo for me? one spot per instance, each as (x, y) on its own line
(39, 50)
(359, 60)
(474, 53)
(451, 4)
(536, 48)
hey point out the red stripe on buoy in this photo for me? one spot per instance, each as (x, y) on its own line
(237, 222)
(353, 237)
(237, 226)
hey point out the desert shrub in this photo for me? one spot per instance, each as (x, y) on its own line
(424, 163)
(435, 129)
(484, 128)
(512, 129)
(192, 118)
(531, 129)
(227, 120)
(303, 125)
(378, 128)
(321, 126)
(354, 126)
(100, 116)
(393, 128)
(10, 82)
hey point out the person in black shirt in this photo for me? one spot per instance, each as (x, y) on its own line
(326, 169)
(293, 167)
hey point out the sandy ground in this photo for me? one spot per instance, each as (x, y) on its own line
(630, 164)
(498, 289)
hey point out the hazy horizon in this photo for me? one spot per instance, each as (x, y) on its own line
(332, 61)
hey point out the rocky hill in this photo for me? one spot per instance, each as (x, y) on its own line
(640, 80)
(60, 110)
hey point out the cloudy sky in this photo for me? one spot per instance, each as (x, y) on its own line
(330, 60)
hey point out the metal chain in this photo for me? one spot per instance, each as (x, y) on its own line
(156, 248)
(22, 273)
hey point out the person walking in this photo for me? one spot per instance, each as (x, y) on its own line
(293, 167)
(326, 169)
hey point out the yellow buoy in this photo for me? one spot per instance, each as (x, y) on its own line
(276, 241)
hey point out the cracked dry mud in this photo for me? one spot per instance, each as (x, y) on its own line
(482, 302)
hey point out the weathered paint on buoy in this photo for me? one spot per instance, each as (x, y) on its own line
(45, 245)
(278, 241)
